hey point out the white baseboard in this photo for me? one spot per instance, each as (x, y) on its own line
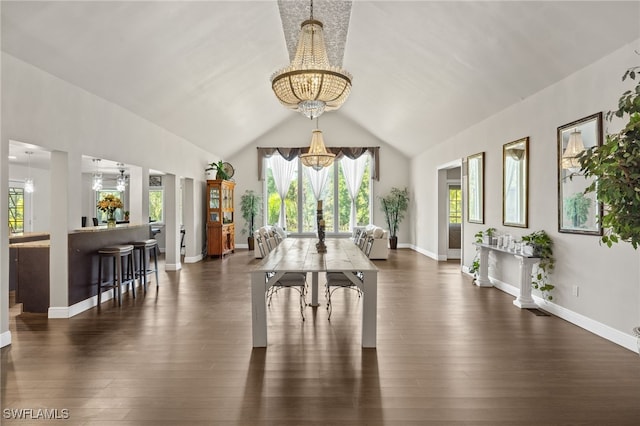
(5, 339)
(425, 252)
(242, 246)
(193, 259)
(627, 341)
(173, 266)
(58, 312)
(85, 305)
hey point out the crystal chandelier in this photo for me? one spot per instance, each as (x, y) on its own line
(121, 182)
(317, 157)
(575, 146)
(310, 84)
(97, 176)
(28, 182)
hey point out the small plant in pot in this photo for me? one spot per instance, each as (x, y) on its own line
(395, 205)
(542, 247)
(219, 168)
(251, 206)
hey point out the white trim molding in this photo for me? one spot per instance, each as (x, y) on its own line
(192, 259)
(5, 339)
(627, 341)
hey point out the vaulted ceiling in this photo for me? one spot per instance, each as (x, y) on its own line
(423, 70)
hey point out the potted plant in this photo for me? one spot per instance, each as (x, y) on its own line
(482, 237)
(394, 206)
(250, 205)
(126, 215)
(543, 248)
(614, 165)
(219, 169)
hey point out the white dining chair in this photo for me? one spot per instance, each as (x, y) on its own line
(337, 280)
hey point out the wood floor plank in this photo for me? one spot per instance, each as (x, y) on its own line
(449, 353)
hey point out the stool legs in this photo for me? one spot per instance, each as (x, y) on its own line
(155, 264)
(122, 266)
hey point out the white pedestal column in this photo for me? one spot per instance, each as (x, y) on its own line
(524, 300)
(483, 273)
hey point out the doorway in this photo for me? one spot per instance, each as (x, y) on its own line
(450, 207)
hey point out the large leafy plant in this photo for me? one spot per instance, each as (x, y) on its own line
(250, 205)
(616, 167)
(394, 206)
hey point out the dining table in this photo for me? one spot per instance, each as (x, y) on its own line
(301, 255)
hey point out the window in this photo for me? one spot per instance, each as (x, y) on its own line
(300, 205)
(156, 204)
(16, 209)
(455, 204)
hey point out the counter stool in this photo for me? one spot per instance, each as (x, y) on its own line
(141, 248)
(121, 257)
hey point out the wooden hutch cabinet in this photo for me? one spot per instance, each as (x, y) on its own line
(220, 227)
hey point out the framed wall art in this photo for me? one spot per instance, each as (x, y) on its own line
(515, 183)
(578, 213)
(475, 188)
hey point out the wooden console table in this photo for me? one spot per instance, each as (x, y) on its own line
(524, 299)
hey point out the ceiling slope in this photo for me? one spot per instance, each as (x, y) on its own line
(423, 70)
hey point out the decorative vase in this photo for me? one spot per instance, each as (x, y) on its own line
(111, 219)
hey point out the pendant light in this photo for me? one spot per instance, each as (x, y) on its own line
(97, 176)
(318, 156)
(28, 182)
(121, 182)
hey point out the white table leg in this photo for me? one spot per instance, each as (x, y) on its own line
(314, 289)
(259, 309)
(524, 300)
(483, 273)
(369, 309)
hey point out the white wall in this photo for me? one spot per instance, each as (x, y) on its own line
(337, 130)
(41, 109)
(608, 278)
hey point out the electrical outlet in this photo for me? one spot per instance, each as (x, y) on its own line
(575, 290)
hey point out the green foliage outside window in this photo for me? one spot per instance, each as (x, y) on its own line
(156, 205)
(16, 209)
(309, 205)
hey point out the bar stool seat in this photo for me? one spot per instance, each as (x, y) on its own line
(142, 268)
(121, 257)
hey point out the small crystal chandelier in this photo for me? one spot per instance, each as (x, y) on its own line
(574, 148)
(28, 182)
(317, 157)
(97, 176)
(310, 84)
(121, 182)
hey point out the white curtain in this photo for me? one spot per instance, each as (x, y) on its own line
(353, 171)
(512, 207)
(283, 173)
(318, 180)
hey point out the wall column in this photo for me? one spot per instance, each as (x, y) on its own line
(171, 185)
(59, 234)
(192, 252)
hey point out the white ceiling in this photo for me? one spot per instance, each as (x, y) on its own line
(423, 70)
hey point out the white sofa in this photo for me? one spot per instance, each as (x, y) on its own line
(372, 240)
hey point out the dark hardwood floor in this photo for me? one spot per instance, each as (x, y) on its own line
(449, 353)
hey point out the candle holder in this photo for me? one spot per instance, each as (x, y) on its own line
(322, 248)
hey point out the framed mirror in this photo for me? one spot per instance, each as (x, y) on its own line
(475, 188)
(515, 183)
(578, 213)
